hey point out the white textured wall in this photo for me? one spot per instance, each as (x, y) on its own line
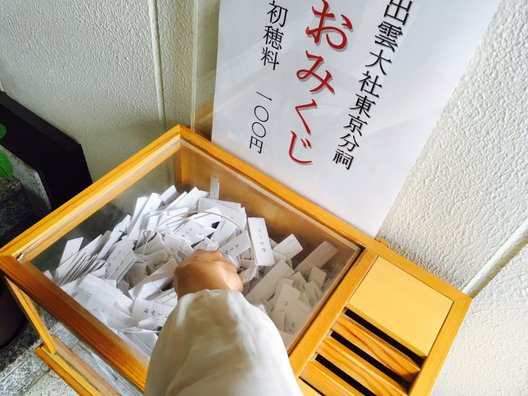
(467, 192)
(106, 72)
(115, 74)
(489, 354)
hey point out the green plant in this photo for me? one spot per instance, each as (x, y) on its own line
(6, 170)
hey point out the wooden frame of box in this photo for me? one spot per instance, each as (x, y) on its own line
(385, 326)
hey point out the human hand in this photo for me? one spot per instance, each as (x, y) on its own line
(205, 270)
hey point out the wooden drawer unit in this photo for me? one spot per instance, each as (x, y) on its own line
(387, 334)
(384, 325)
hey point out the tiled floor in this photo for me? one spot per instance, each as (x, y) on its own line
(50, 385)
(23, 373)
(19, 367)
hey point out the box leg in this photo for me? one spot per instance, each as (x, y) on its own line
(32, 314)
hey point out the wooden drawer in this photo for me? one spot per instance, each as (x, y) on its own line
(386, 335)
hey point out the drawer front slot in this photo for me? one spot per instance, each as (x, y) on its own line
(355, 357)
(377, 348)
(361, 370)
(326, 381)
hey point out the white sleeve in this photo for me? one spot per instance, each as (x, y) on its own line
(216, 343)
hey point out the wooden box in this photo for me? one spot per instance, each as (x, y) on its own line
(384, 326)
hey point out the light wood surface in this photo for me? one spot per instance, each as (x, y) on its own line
(306, 389)
(433, 363)
(326, 382)
(72, 369)
(362, 371)
(408, 310)
(31, 312)
(377, 348)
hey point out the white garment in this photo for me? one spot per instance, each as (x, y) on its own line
(216, 343)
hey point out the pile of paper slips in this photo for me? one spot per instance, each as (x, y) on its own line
(124, 276)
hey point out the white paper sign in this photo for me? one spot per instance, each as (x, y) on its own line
(336, 98)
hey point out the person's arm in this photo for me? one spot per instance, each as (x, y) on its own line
(215, 342)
